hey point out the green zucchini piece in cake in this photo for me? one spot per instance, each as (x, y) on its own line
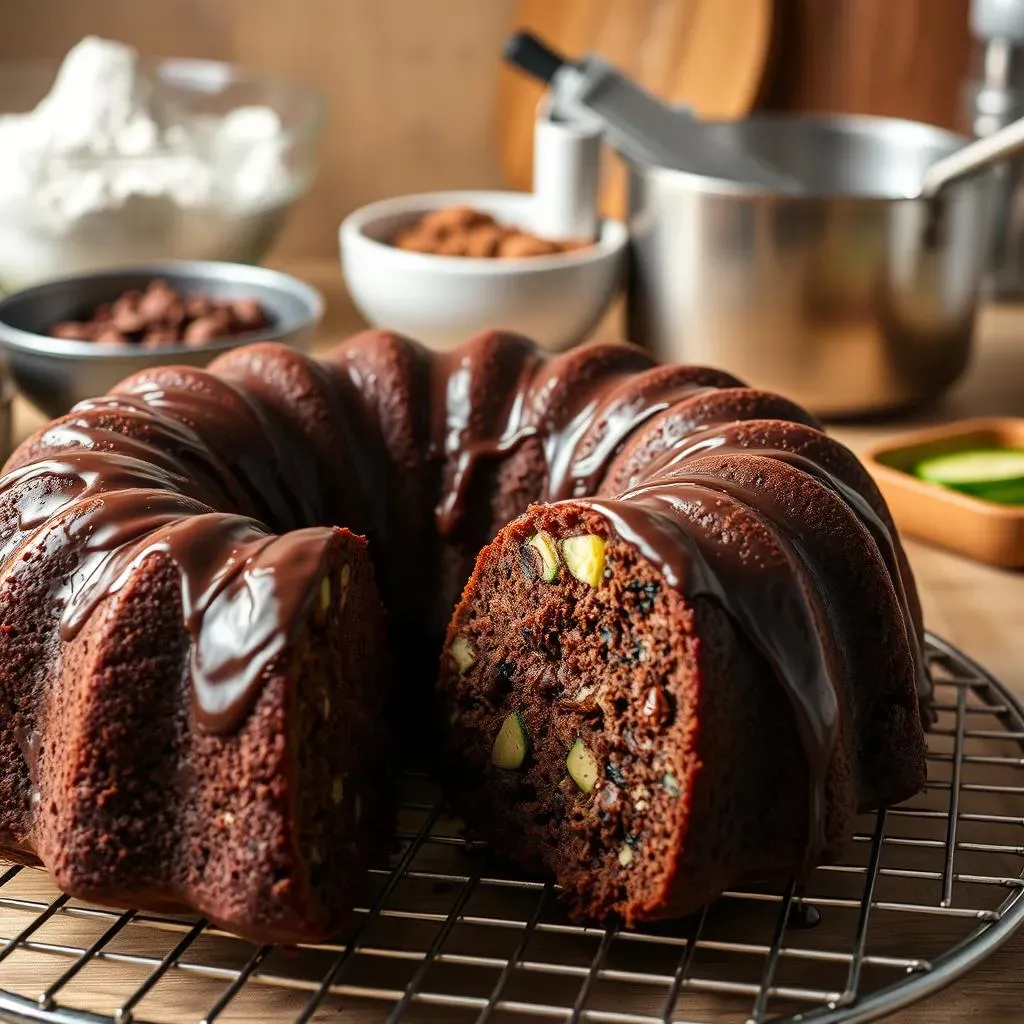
(462, 654)
(512, 743)
(584, 557)
(582, 765)
(542, 543)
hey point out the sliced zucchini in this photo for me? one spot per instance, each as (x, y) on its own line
(511, 744)
(542, 543)
(584, 558)
(995, 474)
(582, 765)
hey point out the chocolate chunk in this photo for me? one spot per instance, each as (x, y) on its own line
(158, 302)
(161, 316)
(73, 330)
(198, 306)
(157, 337)
(126, 316)
(207, 329)
(248, 314)
(111, 336)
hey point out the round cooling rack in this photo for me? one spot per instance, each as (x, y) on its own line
(447, 932)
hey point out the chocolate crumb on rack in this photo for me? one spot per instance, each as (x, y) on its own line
(161, 315)
(462, 231)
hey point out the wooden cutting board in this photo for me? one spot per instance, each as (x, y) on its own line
(710, 54)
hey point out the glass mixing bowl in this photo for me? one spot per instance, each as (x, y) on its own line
(36, 245)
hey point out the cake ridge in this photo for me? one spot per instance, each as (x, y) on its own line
(735, 439)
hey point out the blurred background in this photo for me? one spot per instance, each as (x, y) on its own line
(417, 101)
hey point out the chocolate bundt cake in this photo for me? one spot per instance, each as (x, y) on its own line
(689, 662)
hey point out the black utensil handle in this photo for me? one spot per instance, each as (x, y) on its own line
(533, 55)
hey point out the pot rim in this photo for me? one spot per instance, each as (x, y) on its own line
(899, 133)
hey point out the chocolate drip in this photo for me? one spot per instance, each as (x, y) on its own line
(162, 437)
(570, 476)
(244, 591)
(733, 438)
(765, 587)
(120, 499)
(543, 400)
(462, 433)
(614, 408)
(228, 420)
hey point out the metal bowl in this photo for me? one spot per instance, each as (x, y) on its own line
(55, 374)
(853, 298)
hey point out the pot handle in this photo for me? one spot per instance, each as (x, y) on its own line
(974, 157)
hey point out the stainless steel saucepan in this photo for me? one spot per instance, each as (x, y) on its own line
(854, 296)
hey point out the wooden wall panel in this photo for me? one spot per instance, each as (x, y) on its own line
(901, 58)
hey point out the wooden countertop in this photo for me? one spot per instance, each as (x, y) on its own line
(977, 608)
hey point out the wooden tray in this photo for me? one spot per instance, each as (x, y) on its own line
(979, 529)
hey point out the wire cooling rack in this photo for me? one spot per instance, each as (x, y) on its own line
(447, 932)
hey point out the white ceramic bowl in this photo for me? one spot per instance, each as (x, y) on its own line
(442, 300)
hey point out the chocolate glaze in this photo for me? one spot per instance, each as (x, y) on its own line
(749, 439)
(184, 465)
(144, 431)
(464, 429)
(245, 592)
(534, 402)
(231, 424)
